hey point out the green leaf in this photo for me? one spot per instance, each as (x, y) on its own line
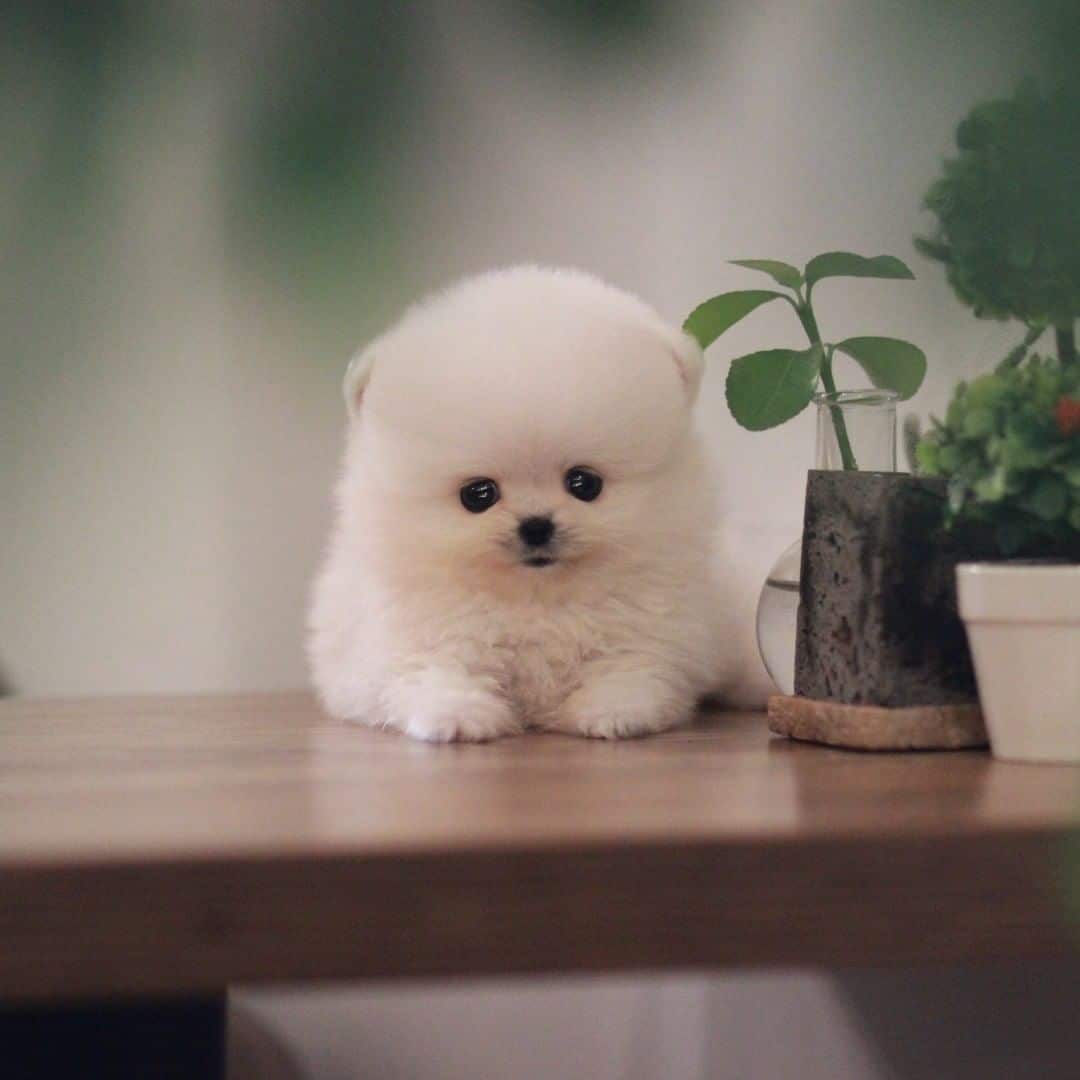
(845, 264)
(892, 364)
(979, 424)
(948, 459)
(985, 392)
(926, 455)
(709, 320)
(766, 388)
(991, 488)
(781, 272)
(1049, 499)
(1018, 453)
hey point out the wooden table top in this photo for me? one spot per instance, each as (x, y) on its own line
(179, 844)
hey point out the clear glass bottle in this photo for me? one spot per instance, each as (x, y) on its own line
(861, 426)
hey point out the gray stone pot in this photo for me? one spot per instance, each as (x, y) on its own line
(877, 621)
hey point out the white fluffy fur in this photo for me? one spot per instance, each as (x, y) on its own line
(424, 617)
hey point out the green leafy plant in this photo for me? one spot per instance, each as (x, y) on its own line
(1008, 232)
(1009, 448)
(1008, 227)
(767, 388)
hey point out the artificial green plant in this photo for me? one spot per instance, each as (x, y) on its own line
(1007, 210)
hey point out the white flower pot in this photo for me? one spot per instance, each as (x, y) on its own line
(1023, 623)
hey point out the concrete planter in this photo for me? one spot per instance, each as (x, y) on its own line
(878, 621)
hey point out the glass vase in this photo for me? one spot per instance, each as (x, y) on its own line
(855, 429)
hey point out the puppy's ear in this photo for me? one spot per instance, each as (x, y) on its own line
(690, 360)
(356, 379)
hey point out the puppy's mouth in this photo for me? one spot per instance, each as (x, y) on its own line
(539, 560)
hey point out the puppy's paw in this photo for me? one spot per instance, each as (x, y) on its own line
(461, 718)
(447, 707)
(621, 707)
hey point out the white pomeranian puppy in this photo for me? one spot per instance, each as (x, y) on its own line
(524, 520)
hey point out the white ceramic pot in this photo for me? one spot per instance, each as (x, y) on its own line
(1023, 623)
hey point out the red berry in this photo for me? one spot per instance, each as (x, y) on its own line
(1067, 415)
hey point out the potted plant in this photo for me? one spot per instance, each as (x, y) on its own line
(1008, 232)
(768, 388)
(866, 573)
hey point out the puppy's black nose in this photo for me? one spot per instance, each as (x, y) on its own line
(536, 531)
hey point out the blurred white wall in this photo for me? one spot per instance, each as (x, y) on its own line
(170, 419)
(171, 424)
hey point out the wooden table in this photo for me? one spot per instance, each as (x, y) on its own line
(163, 846)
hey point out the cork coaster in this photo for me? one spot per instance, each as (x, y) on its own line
(871, 727)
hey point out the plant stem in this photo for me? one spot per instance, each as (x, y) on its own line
(1066, 344)
(1017, 355)
(809, 323)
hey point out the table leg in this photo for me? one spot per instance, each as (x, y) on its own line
(168, 1039)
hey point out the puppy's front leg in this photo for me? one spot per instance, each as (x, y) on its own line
(625, 697)
(446, 704)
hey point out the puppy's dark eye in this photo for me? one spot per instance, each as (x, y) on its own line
(583, 483)
(479, 495)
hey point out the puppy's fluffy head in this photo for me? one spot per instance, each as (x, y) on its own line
(524, 424)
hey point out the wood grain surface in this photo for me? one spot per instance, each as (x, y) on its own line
(172, 845)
